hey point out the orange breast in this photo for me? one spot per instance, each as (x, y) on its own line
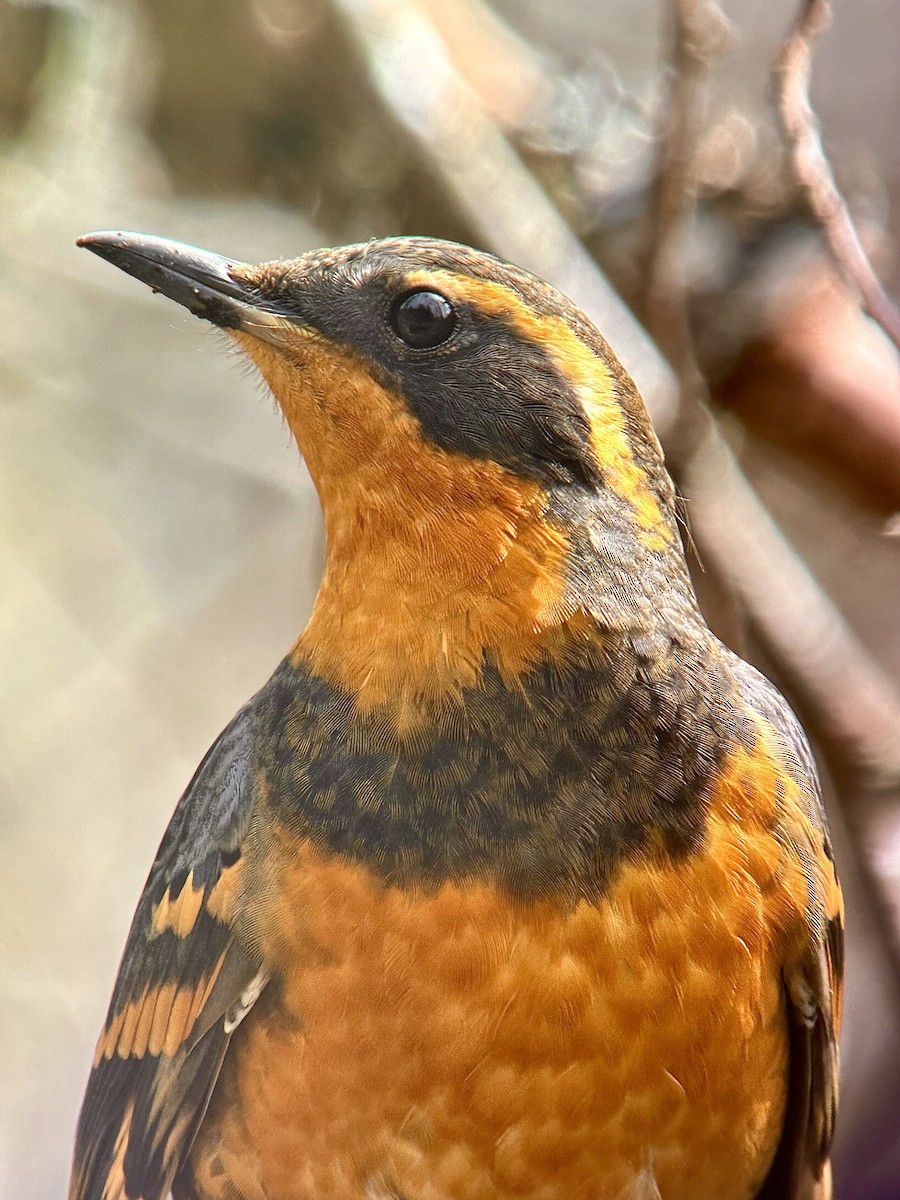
(452, 1047)
(456, 1046)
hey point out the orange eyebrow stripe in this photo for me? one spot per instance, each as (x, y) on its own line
(590, 377)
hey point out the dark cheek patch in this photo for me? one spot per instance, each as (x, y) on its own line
(489, 392)
(492, 394)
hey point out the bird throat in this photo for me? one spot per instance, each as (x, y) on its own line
(464, 706)
(432, 576)
(440, 563)
(419, 595)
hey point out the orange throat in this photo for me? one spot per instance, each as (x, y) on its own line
(429, 577)
(438, 562)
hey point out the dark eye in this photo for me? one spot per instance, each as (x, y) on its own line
(423, 319)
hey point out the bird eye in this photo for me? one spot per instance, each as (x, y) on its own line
(423, 319)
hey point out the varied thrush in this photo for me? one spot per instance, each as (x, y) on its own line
(512, 881)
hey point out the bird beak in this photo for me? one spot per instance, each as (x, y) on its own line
(208, 285)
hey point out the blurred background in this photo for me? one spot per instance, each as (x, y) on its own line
(159, 540)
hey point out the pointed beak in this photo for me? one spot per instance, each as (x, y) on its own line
(206, 284)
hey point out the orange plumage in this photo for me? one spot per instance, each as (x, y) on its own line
(512, 882)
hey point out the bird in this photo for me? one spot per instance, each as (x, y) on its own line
(513, 880)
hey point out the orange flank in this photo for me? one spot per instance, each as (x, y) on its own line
(457, 1044)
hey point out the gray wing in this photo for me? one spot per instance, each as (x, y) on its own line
(813, 984)
(183, 984)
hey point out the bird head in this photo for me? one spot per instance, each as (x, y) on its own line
(487, 469)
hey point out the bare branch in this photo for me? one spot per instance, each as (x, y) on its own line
(811, 166)
(699, 33)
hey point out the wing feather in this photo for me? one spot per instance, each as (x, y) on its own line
(813, 978)
(182, 978)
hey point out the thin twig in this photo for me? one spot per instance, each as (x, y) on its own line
(699, 32)
(811, 166)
